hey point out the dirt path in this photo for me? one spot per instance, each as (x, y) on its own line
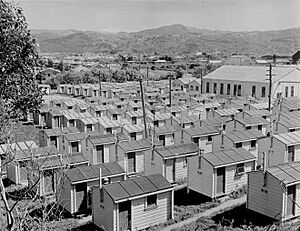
(213, 211)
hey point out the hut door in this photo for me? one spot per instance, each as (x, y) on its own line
(131, 162)
(124, 215)
(170, 170)
(291, 192)
(80, 197)
(221, 180)
(100, 154)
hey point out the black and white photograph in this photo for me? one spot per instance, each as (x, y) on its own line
(150, 115)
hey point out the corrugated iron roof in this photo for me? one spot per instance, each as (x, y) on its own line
(288, 173)
(241, 136)
(134, 145)
(253, 121)
(136, 186)
(290, 138)
(75, 136)
(86, 173)
(248, 73)
(177, 150)
(203, 130)
(228, 157)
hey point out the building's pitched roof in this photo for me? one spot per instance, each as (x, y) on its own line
(290, 138)
(229, 157)
(6, 148)
(258, 113)
(134, 145)
(253, 121)
(242, 136)
(177, 150)
(167, 129)
(87, 173)
(75, 136)
(248, 73)
(226, 112)
(288, 173)
(203, 130)
(290, 123)
(134, 128)
(136, 186)
(106, 139)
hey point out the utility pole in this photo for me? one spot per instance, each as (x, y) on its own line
(201, 76)
(147, 76)
(170, 89)
(270, 86)
(143, 105)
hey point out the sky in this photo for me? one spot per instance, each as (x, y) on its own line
(136, 15)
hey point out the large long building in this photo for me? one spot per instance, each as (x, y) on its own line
(253, 81)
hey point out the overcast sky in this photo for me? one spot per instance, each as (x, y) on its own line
(135, 15)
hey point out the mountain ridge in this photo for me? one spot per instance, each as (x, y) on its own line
(169, 39)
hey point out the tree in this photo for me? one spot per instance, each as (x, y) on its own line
(60, 66)
(19, 93)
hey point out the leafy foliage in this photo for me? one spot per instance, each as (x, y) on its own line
(19, 92)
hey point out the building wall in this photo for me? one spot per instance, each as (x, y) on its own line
(153, 166)
(246, 87)
(181, 169)
(65, 194)
(200, 180)
(103, 213)
(143, 218)
(265, 200)
(278, 155)
(233, 181)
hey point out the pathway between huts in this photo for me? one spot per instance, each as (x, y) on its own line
(210, 212)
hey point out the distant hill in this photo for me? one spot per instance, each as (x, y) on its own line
(172, 39)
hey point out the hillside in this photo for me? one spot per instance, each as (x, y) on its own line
(173, 39)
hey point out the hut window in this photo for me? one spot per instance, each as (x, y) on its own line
(185, 162)
(265, 180)
(291, 153)
(292, 91)
(239, 145)
(196, 140)
(228, 89)
(134, 120)
(263, 92)
(151, 201)
(209, 139)
(89, 127)
(109, 130)
(207, 87)
(253, 143)
(240, 169)
(215, 88)
(239, 92)
(115, 116)
(222, 89)
(248, 128)
(286, 91)
(259, 127)
(75, 146)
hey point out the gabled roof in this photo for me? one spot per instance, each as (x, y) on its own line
(70, 114)
(107, 123)
(253, 121)
(136, 186)
(248, 73)
(6, 148)
(85, 173)
(242, 136)
(290, 123)
(228, 157)
(159, 116)
(226, 112)
(134, 128)
(257, 113)
(134, 145)
(106, 139)
(24, 154)
(90, 120)
(186, 119)
(288, 173)
(177, 150)
(75, 136)
(290, 138)
(203, 130)
(167, 129)
(138, 113)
